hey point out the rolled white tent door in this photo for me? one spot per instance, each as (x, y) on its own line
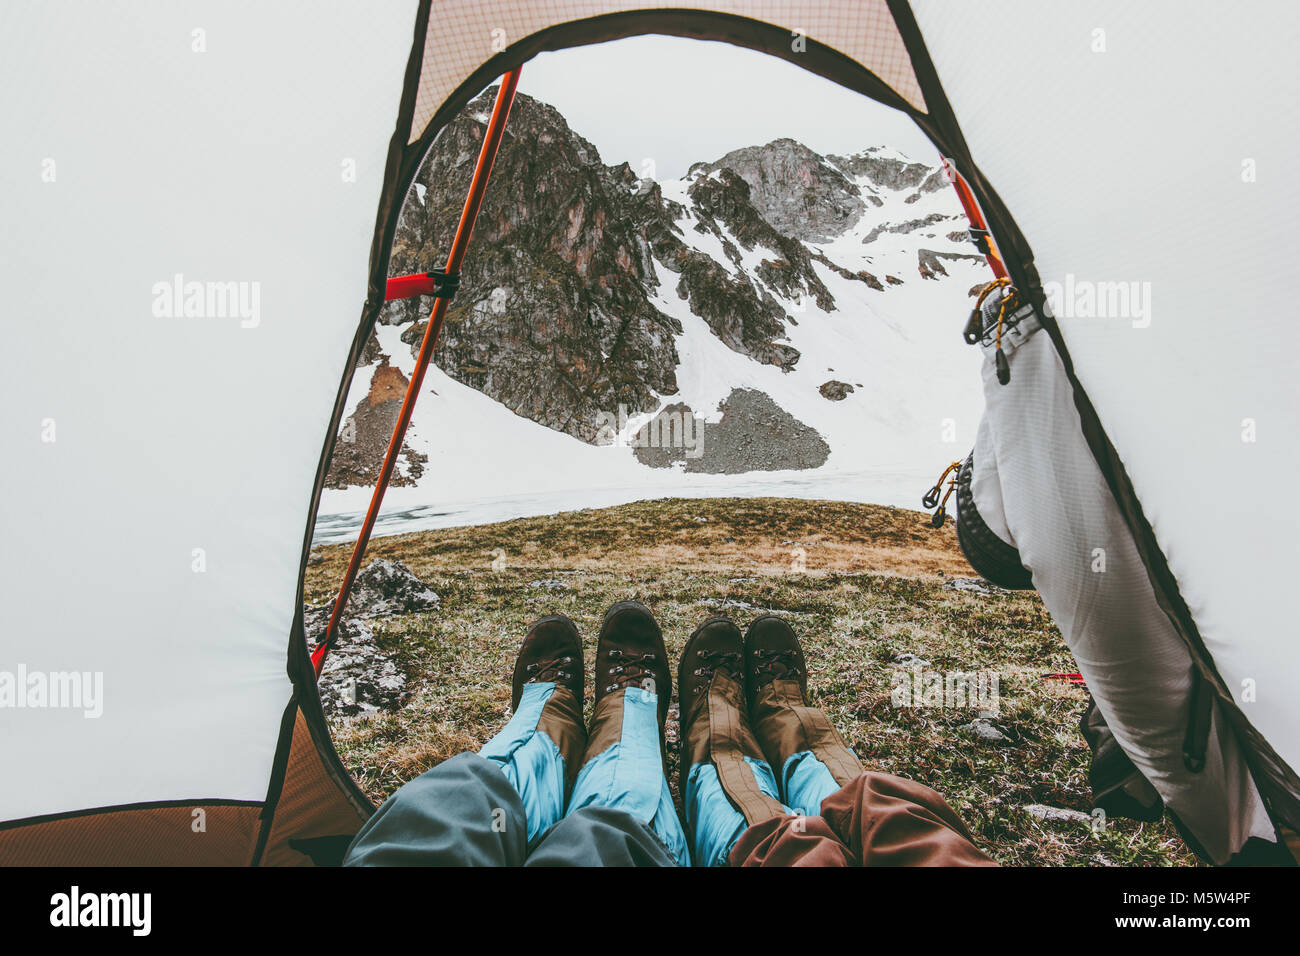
(1039, 489)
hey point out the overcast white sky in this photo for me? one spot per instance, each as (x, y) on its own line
(681, 101)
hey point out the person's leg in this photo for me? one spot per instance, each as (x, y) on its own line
(799, 740)
(806, 781)
(484, 809)
(623, 768)
(601, 836)
(539, 748)
(463, 812)
(876, 820)
(726, 784)
(843, 816)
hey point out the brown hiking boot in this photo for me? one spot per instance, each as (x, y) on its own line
(772, 652)
(552, 651)
(631, 653)
(776, 676)
(715, 716)
(716, 645)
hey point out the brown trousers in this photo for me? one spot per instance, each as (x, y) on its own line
(876, 820)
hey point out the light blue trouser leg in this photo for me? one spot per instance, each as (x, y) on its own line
(531, 761)
(806, 782)
(716, 824)
(629, 774)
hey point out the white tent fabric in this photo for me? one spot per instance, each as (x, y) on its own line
(1127, 166)
(188, 250)
(1037, 486)
(183, 433)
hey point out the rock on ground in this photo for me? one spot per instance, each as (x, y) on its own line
(974, 586)
(389, 587)
(985, 729)
(1056, 814)
(754, 434)
(359, 677)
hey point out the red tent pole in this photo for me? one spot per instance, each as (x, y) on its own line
(473, 202)
(976, 218)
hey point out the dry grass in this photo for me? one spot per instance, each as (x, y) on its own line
(871, 588)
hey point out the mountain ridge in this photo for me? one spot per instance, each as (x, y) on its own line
(582, 279)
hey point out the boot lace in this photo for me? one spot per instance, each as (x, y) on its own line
(712, 661)
(631, 669)
(549, 670)
(776, 665)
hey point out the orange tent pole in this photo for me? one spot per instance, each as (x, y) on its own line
(473, 202)
(978, 226)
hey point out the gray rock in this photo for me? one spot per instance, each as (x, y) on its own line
(890, 172)
(733, 604)
(1056, 814)
(363, 441)
(358, 677)
(389, 587)
(974, 586)
(835, 391)
(901, 227)
(911, 660)
(754, 434)
(985, 729)
(549, 584)
(796, 190)
(553, 317)
(930, 262)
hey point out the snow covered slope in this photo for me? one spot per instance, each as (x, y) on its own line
(897, 277)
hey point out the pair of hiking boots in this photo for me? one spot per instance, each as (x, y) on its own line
(741, 696)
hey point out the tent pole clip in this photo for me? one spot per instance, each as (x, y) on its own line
(445, 283)
(980, 239)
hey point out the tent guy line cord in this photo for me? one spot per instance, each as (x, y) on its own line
(473, 203)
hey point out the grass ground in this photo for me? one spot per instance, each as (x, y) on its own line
(861, 584)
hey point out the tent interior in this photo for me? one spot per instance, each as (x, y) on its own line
(275, 152)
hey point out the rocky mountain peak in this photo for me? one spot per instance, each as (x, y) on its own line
(580, 277)
(882, 167)
(795, 189)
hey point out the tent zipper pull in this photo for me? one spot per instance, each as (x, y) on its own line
(1003, 366)
(937, 496)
